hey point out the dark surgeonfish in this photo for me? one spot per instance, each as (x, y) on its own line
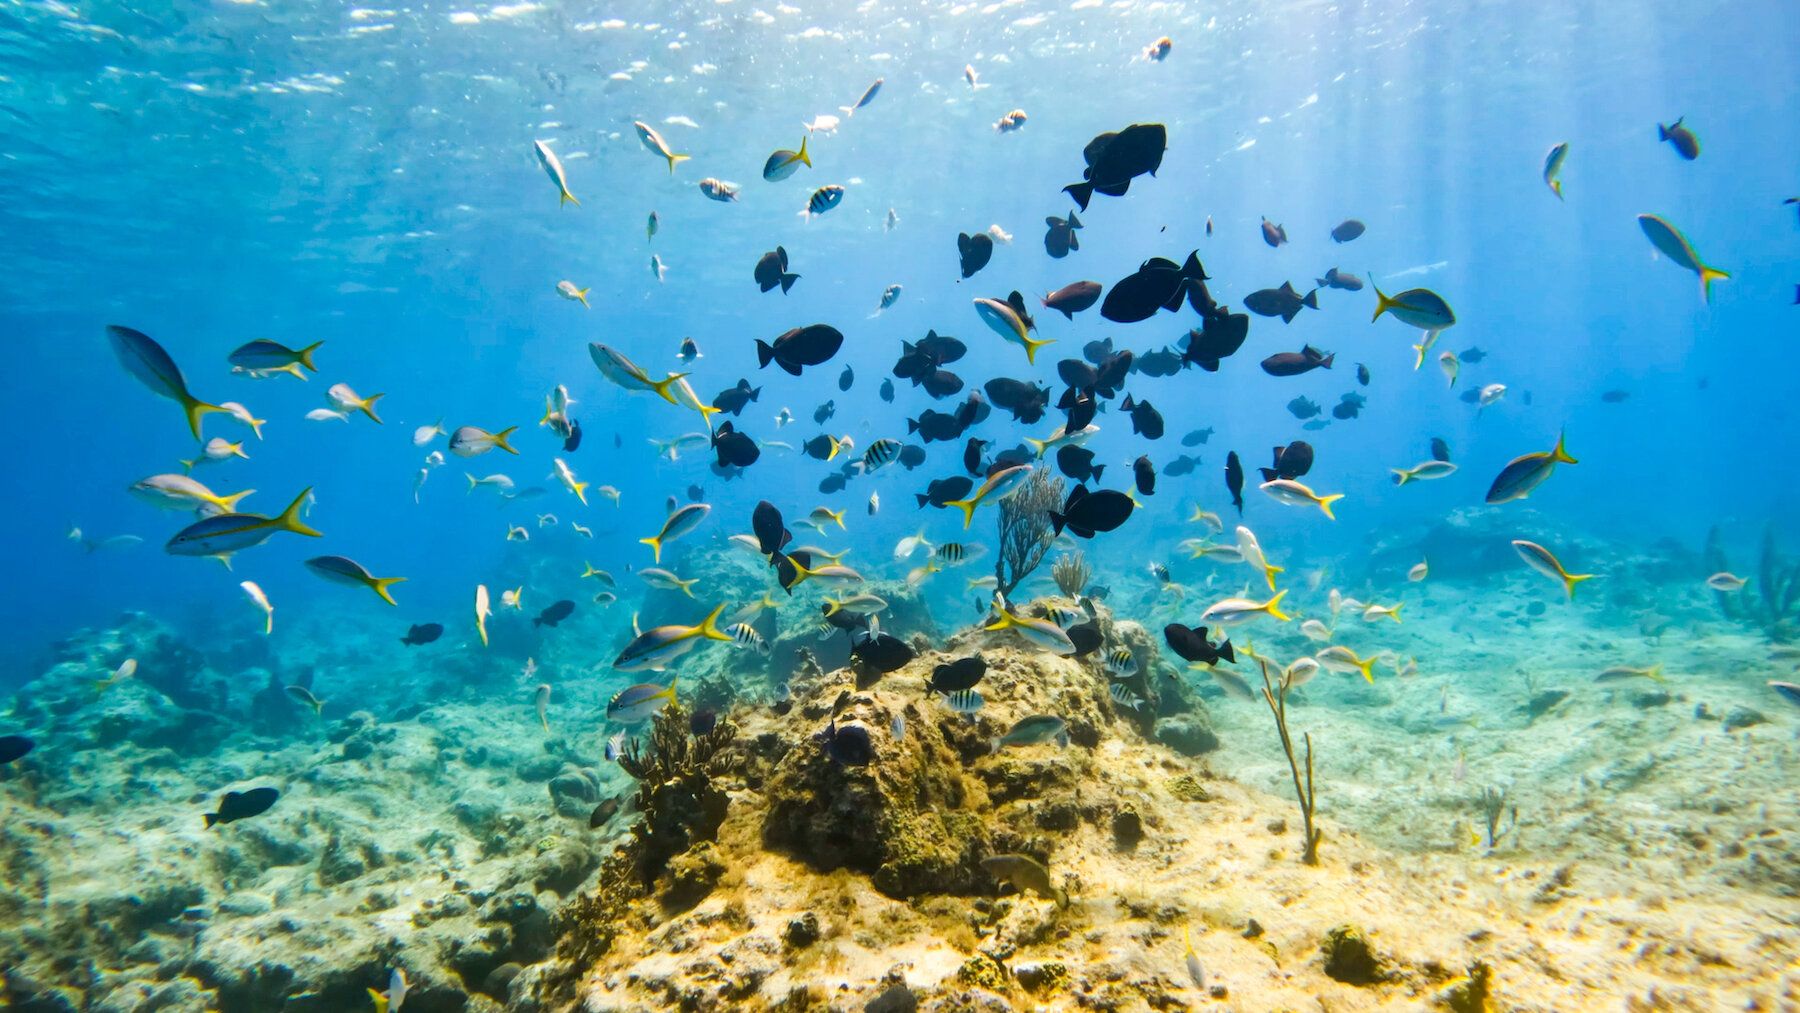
(1234, 481)
(1681, 137)
(1219, 338)
(1295, 363)
(880, 651)
(1283, 302)
(1157, 284)
(732, 400)
(771, 271)
(1183, 465)
(849, 745)
(1059, 237)
(1145, 474)
(1161, 362)
(1291, 462)
(421, 634)
(1073, 298)
(943, 490)
(1079, 407)
(734, 449)
(240, 805)
(800, 347)
(974, 252)
(887, 389)
(1273, 234)
(1078, 463)
(961, 674)
(1024, 399)
(1440, 449)
(1303, 407)
(1191, 644)
(1086, 513)
(555, 614)
(1146, 421)
(1114, 159)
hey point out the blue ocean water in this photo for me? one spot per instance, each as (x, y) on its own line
(213, 173)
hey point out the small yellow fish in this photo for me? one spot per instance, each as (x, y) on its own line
(1545, 562)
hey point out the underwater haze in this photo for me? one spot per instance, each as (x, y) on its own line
(189, 178)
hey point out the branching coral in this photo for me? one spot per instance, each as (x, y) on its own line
(1071, 573)
(1275, 694)
(1025, 534)
(1493, 810)
(677, 791)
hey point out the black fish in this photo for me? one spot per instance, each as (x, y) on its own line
(1218, 338)
(771, 270)
(882, 652)
(942, 348)
(1347, 230)
(421, 634)
(1024, 399)
(1060, 237)
(1615, 396)
(555, 614)
(824, 411)
(1305, 360)
(943, 490)
(1346, 410)
(1440, 450)
(974, 251)
(1111, 374)
(1097, 351)
(1146, 421)
(963, 673)
(1234, 481)
(1197, 437)
(695, 494)
(572, 442)
(1145, 473)
(849, 745)
(911, 456)
(766, 524)
(1192, 645)
(732, 400)
(241, 805)
(1086, 637)
(1291, 461)
(1085, 514)
(972, 455)
(1183, 465)
(939, 383)
(846, 378)
(1079, 374)
(1283, 302)
(1080, 408)
(703, 721)
(1303, 407)
(1472, 395)
(733, 448)
(887, 390)
(1161, 362)
(1335, 278)
(15, 747)
(1362, 374)
(1078, 463)
(1157, 284)
(835, 482)
(1114, 159)
(1272, 233)
(932, 426)
(820, 447)
(1681, 137)
(1471, 356)
(603, 812)
(1073, 298)
(973, 410)
(811, 345)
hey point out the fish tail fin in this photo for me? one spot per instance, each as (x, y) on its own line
(567, 198)
(801, 155)
(1326, 501)
(674, 158)
(764, 353)
(662, 386)
(1572, 579)
(709, 628)
(1561, 454)
(787, 282)
(256, 426)
(581, 491)
(197, 409)
(1039, 445)
(292, 369)
(381, 585)
(1312, 299)
(966, 506)
(1708, 275)
(1057, 521)
(1096, 470)
(1273, 607)
(835, 447)
(687, 586)
(1394, 613)
(472, 481)
(318, 707)
(289, 519)
(1662, 132)
(1655, 674)
(655, 543)
(210, 819)
(304, 356)
(1081, 193)
(502, 439)
(1401, 477)
(1382, 304)
(368, 407)
(229, 503)
(1556, 188)
(581, 293)
(1270, 570)
(1367, 665)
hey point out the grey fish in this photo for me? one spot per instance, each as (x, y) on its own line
(1024, 873)
(1034, 730)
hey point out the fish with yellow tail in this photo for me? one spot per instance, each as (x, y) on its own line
(482, 612)
(1553, 166)
(263, 358)
(391, 1000)
(182, 492)
(152, 366)
(569, 291)
(655, 649)
(221, 535)
(1009, 319)
(654, 143)
(1292, 493)
(1618, 672)
(679, 523)
(1526, 472)
(343, 570)
(1233, 611)
(1545, 562)
(553, 168)
(998, 486)
(1416, 307)
(1251, 551)
(1041, 632)
(543, 705)
(1672, 244)
(1338, 658)
(255, 592)
(617, 367)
